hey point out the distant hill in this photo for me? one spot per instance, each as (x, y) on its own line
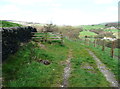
(112, 24)
(25, 23)
(109, 22)
(8, 24)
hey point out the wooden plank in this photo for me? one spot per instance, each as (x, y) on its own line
(37, 32)
(37, 37)
(51, 39)
(54, 39)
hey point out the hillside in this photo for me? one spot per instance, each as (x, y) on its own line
(108, 22)
(9, 24)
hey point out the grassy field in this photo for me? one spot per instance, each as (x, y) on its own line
(96, 27)
(87, 33)
(8, 24)
(23, 70)
(89, 27)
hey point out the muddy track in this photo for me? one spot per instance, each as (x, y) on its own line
(67, 70)
(110, 77)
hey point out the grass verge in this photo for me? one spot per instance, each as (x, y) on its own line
(22, 69)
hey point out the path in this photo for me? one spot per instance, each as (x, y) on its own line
(116, 57)
(67, 70)
(110, 77)
(41, 45)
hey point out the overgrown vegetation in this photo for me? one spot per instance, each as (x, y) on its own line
(23, 70)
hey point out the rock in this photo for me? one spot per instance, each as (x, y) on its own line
(46, 62)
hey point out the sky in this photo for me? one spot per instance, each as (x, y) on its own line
(60, 12)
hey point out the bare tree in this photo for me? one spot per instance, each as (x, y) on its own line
(49, 28)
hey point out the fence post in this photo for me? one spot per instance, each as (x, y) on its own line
(45, 36)
(61, 37)
(112, 49)
(103, 47)
(94, 43)
(85, 41)
(88, 42)
(97, 42)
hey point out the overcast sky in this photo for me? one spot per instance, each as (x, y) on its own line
(60, 12)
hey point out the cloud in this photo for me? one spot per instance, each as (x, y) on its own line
(44, 11)
(61, 16)
(113, 8)
(28, 2)
(103, 1)
(9, 9)
(72, 17)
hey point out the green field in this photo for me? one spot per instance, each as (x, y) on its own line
(8, 24)
(87, 33)
(89, 27)
(96, 27)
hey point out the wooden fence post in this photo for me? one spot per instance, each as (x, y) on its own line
(61, 37)
(85, 41)
(94, 43)
(112, 49)
(97, 42)
(88, 41)
(46, 36)
(103, 46)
